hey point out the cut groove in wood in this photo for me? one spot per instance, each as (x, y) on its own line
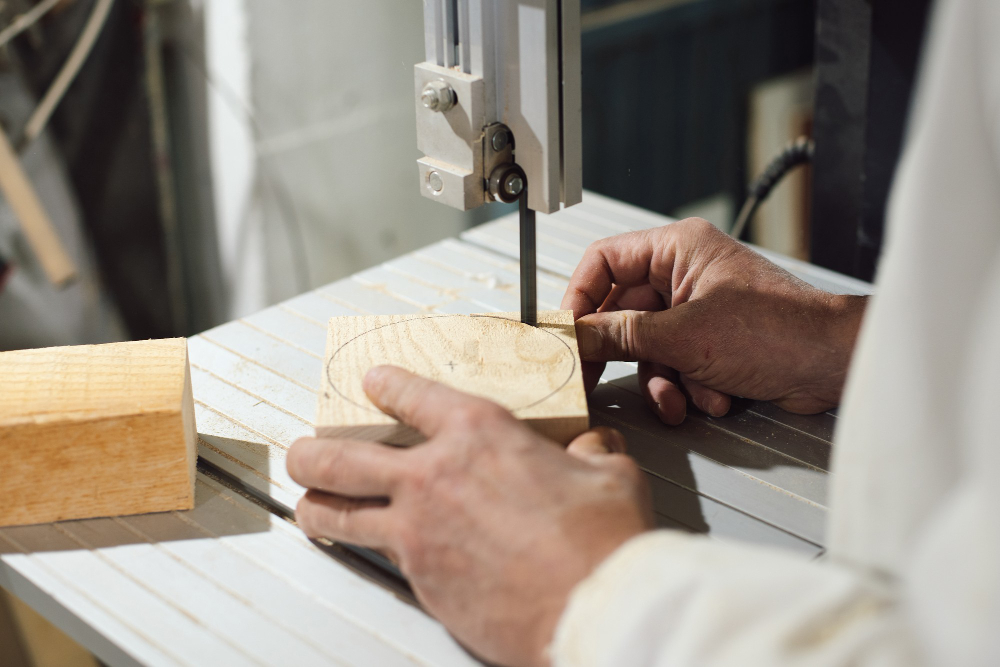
(532, 371)
(96, 430)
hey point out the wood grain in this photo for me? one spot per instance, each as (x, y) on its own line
(532, 371)
(96, 430)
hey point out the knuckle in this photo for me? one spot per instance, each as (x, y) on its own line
(418, 478)
(425, 471)
(411, 548)
(475, 415)
(330, 465)
(343, 519)
(466, 417)
(625, 331)
(597, 247)
(695, 225)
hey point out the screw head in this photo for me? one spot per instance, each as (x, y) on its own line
(514, 185)
(437, 96)
(434, 181)
(499, 141)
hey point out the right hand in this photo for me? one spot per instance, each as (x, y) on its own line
(706, 315)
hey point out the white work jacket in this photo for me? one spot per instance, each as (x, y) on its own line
(913, 572)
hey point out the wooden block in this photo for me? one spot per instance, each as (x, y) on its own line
(532, 371)
(96, 430)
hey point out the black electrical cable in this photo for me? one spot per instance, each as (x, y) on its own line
(798, 152)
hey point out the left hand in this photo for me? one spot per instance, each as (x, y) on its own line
(492, 524)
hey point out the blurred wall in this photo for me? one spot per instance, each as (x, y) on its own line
(34, 313)
(312, 140)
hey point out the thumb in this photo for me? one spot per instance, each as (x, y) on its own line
(634, 335)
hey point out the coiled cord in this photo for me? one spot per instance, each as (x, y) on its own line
(798, 152)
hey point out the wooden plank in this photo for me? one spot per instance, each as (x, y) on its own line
(35, 222)
(533, 371)
(96, 430)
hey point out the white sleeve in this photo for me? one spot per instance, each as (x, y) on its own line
(668, 598)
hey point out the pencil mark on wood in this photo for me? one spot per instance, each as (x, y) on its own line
(526, 369)
(567, 351)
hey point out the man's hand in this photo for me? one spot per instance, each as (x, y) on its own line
(491, 523)
(705, 315)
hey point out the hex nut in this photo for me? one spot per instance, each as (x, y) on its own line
(438, 96)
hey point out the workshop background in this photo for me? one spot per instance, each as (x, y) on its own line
(199, 160)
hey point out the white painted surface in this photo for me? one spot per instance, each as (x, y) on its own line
(224, 584)
(232, 153)
(231, 584)
(322, 182)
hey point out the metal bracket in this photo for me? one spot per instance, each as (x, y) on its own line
(509, 62)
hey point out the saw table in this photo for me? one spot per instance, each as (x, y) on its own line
(233, 582)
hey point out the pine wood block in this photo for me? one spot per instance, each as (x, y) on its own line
(96, 430)
(532, 371)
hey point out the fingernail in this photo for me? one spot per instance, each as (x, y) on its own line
(719, 407)
(589, 341)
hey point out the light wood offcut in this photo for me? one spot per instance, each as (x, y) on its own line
(96, 430)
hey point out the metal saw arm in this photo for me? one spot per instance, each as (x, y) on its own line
(498, 103)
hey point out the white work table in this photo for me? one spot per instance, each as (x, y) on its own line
(232, 583)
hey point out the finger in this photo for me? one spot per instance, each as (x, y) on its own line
(640, 297)
(599, 441)
(421, 403)
(619, 260)
(666, 337)
(710, 401)
(346, 467)
(660, 388)
(364, 522)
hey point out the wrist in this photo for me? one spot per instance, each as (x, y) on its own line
(843, 314)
